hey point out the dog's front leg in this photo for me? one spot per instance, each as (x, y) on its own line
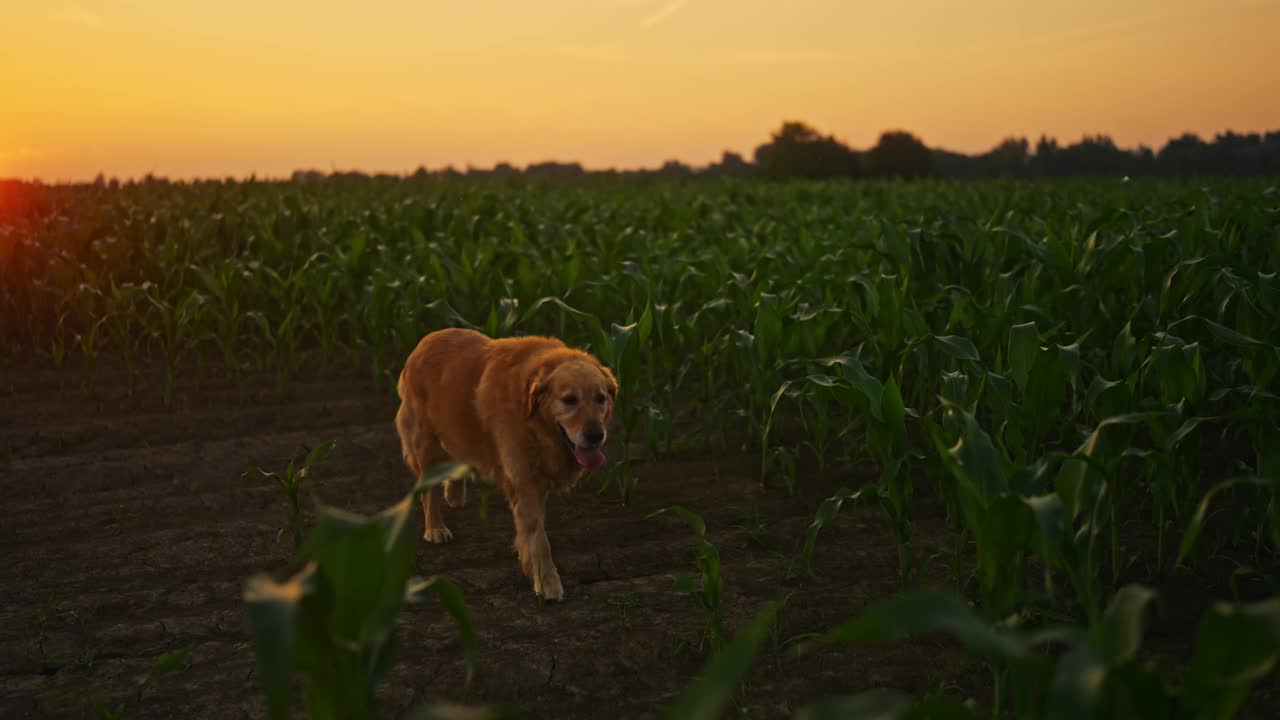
(532, 547)
(434, 528)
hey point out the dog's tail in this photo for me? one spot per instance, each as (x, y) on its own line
(406, 427)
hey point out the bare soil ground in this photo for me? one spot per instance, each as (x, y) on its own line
(128, 532)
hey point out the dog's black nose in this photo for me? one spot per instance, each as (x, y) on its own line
(593, 436)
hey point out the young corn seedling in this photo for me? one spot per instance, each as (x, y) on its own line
(291, 481)
(165, 665)
(827, 511)
(710, 591)
(715, 687)
(779, 459)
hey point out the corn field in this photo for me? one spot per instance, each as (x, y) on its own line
(1078, 377)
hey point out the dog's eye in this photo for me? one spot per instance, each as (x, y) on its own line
(569, 399)
(599, 398)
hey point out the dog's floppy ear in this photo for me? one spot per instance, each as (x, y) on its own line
(610, 382)
(536, 388)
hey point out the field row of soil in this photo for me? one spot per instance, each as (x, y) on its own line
(129, 531)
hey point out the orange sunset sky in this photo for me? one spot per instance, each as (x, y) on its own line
(231, 87)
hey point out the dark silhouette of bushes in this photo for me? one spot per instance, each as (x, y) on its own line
(798, 151)
(1184, 156)
(901, 154)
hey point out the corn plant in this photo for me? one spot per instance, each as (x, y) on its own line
(879, 408)
(622, 348)
(712, 691)
(334, 621)
(1098, 673)
(168, 663)
(1063, 362)
(828, 509)
(710, 589)
(291, 481)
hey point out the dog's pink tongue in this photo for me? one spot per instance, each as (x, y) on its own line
(590, 458)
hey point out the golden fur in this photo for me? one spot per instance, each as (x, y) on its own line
(500, 406)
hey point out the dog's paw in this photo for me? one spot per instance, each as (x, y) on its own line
(437, 535)
(549, 587)
(455, 493)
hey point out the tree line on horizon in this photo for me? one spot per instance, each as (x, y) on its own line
(797, 150)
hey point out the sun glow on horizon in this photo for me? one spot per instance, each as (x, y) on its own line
(128, 87)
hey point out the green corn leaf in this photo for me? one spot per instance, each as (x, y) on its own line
(923, 611)
(960, 348)
(1222, 332)
(168, 663)
(979, 459)
(455, 604)
(1123, 355)
(895, 416)
(442, 308)
(1196, 523)
(1024, 348)
(861, 381)
(710, 694)
(1050, 519)
(1236, 647)
(1123, 624)
(1077, 685)
(320, 452)
(645, 323)
(694, 519)
(438, 474)
(273, 621)
(827, 511)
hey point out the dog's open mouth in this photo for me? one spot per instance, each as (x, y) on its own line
(590, 458)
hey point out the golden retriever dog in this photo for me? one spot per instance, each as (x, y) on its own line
(528, 413)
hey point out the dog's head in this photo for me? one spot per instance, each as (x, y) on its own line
(575, 393)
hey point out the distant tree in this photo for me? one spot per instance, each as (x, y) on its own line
(901, 154)
(674, 169)
(1146, 155)
(731, 164)
(1011, 158)
(1046, 151)
(1186, 154)
(958, 165)
(1093, 155)
(554, 170)
(501, 170)
(798, 151)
